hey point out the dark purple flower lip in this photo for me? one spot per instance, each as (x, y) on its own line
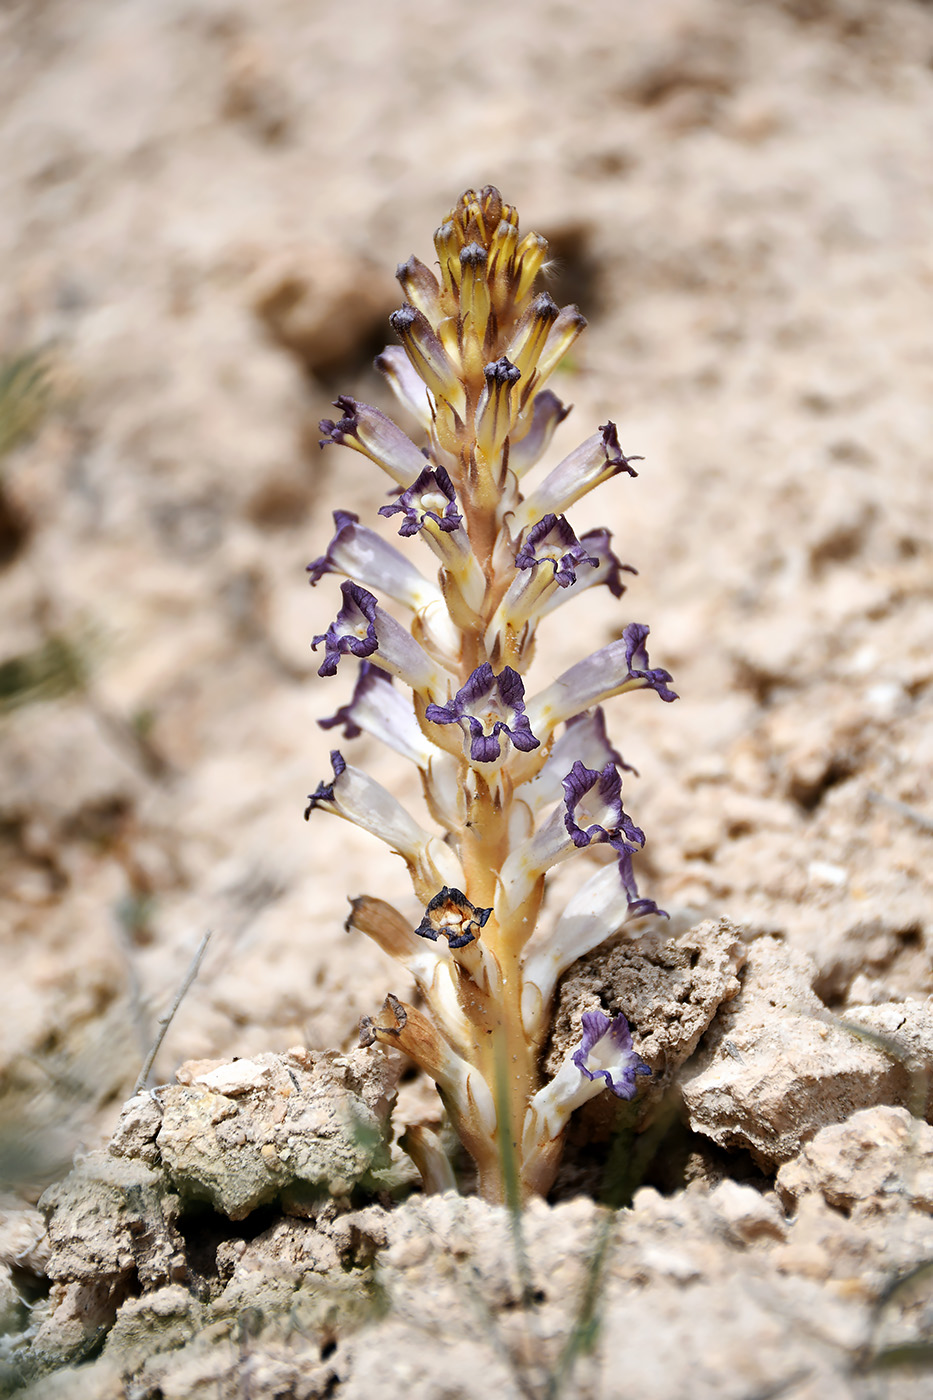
(595, 720)
(604, 791)
(324, 792)
(452, 915)
(597, 542)
(638, 908)
(337, 432)
(316, 570)
(353, 631)
(552, 540)
(485, 707)
(430, 497)
(636, 656)
(613, 449)
(606, 1053)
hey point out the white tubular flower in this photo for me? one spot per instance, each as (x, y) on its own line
(368, 559)
(438, 980)
(616, 668)
(377, 708)
(604, 1059)
(410, 390)
(369, 431)
(359, 799)
(593, 462)
(597, 911)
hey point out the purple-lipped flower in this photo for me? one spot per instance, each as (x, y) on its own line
(377, 708)
(370, 431)
(353, 630)
(596, 543)
(596, 460)
(606, 1053)
(488, 706)
(552, 540)
(593, 809)
(362, 629)
(452, 915)
(636, 655)
(430, 497)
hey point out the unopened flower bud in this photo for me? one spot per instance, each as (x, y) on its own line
(474, 292)
(494, 411)
(428, 356)
(529, 260)
(420, 287)
(531, 333)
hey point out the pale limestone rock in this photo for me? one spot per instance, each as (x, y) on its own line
(746, 1214)
(239, 1077)
(137, 1128)
(776, 1066)
(102, 1220)
(241, 1134)
(880, 1159)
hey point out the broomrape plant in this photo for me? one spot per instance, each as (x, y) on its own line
(516, 783)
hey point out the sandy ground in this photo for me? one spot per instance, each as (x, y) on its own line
(202, 207)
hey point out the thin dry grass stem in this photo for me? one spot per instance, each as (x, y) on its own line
(165, 1021)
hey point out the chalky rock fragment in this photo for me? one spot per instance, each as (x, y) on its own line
(294, 1126)
(777, 1066)
(881, 1158)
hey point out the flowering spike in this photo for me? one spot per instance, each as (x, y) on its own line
(515, 787)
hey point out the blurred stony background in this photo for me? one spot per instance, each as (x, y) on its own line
(201, 208)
